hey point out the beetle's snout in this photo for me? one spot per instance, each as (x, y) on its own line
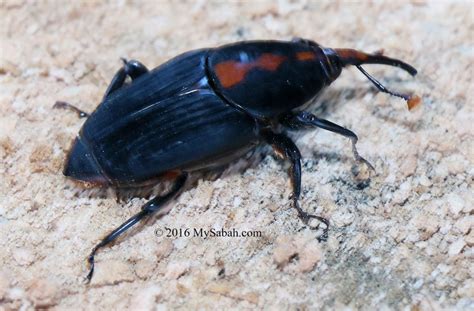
(356, 58)
(80, 164)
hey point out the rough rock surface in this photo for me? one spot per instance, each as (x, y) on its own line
(401, 239)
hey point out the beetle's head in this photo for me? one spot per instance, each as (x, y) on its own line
(339, 58)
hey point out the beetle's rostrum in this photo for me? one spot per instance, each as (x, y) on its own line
(203, 109)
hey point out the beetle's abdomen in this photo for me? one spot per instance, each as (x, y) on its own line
(169, 119)
(81, 164)
(267, 78)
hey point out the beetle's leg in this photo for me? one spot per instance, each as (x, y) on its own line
(305, 119)
(131, 68)
(147, 210)
(285, 148)
(64, 105)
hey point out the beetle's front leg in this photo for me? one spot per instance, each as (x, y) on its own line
(305, 119)
(285, 148)
(131, 68)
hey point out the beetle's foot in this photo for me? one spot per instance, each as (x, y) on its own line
(64, 105)
(358, 158)
(306, 219)
(90, 261)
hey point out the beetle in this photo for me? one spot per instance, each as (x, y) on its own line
(203, 109)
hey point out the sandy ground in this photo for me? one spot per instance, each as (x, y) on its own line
(400, 239)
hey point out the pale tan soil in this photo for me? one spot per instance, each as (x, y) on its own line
(405, 241)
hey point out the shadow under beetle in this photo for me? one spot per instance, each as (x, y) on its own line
(203, 109)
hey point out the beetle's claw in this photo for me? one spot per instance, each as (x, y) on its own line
(323, 237)
(90, 260)
(358, 158)
(364, 161)
(306, 218)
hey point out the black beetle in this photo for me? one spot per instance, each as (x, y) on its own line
(204, 108)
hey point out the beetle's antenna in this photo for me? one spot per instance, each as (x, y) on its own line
(380, 86)
(357, 58)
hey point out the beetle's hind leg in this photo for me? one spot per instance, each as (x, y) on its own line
(147, 210)
(284, 147)
(131, 68)
(64, 105)
(305, 119)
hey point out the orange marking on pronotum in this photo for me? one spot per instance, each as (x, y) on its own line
(307, 55)
(269, 61)
(232, 72)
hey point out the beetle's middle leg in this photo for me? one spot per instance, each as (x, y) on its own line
(131, 68)
(284, 147)
(305, 119)
(147, 210)
(68, 106)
